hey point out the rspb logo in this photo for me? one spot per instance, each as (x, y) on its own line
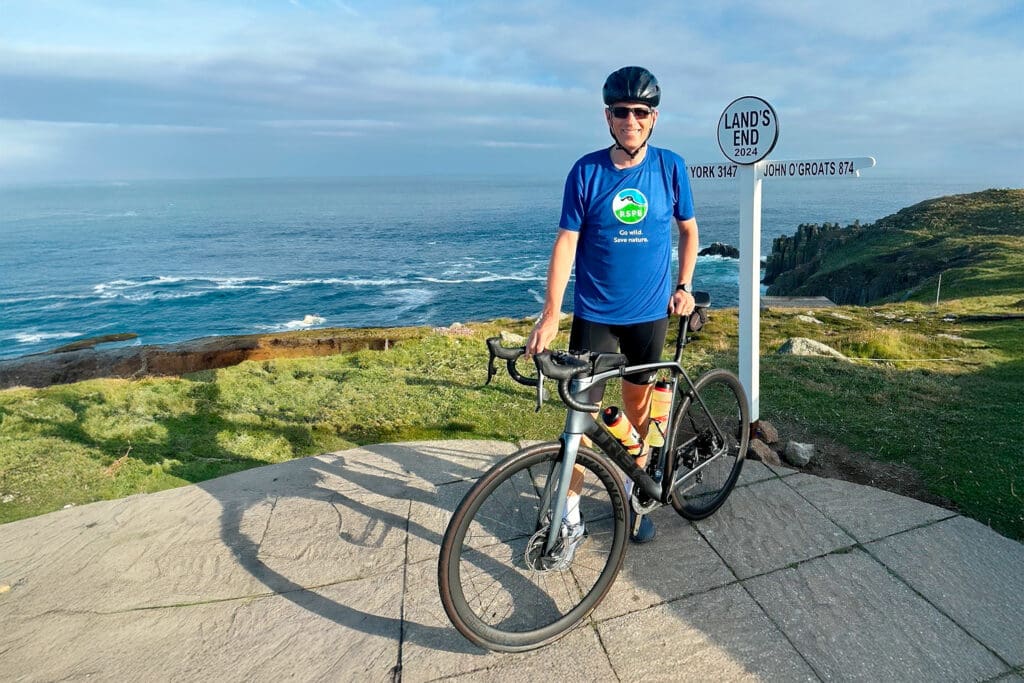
(630, 206)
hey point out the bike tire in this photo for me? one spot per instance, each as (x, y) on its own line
(490, 591)
(716, 453)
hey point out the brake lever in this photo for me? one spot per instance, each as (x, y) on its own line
(491, 370)
(542, 393)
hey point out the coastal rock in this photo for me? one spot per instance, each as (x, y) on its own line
(512, 339)
(808, 319)
(801, 346)
(209, 353)
(898, 256)
(720, 249)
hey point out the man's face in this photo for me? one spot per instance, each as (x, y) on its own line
(627, 121)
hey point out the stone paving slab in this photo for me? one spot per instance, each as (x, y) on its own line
(349, 631)
(678, 563)
(864, 512)
(156, 553)
(783, 470)
(131, 559)
(324, 568)
(437, 462)
(971, 573)
(429, 517)
(434, 649)
(721, 635)
(766, 526)
(314, 543)
(754, 471)
(852, 620)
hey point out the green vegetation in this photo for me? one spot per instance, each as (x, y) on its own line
(974, 241)
(957, 422)
(942, 396)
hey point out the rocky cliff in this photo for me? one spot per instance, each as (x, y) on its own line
(74, 364)
(976, 239)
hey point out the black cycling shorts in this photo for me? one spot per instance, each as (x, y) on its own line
(639, 342)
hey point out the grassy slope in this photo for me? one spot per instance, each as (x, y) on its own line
(976, 241)
(956, 422)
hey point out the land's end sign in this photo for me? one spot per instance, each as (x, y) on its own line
(748, 130)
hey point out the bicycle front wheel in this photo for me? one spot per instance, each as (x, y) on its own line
(710, 434)
(499, 586)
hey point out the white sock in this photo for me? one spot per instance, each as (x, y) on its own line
(629, 488)
(572, 510)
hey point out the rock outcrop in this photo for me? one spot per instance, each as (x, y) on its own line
(963, 236)
(801, 346)
(44, 369)
(720, 249)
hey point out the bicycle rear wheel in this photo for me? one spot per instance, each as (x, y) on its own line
(709, 441)
(498, 587)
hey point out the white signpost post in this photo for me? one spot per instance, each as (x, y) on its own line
(747, 132)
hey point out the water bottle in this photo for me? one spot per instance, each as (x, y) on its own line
(623, 430)
(661, 400)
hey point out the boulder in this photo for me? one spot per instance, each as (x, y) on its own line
(720, 249)
(798, 454)
(766, 432)
(759, 450)
(801, 346)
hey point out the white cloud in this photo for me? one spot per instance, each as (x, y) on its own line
(494, 76)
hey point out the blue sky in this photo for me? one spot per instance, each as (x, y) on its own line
(131, 90)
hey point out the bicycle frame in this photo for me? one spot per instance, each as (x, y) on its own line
(579, 423)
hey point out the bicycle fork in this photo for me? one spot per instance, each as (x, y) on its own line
(577, 424)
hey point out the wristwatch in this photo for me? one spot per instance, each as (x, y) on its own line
(685, 287)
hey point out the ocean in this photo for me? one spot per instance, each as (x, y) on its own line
(176, 260)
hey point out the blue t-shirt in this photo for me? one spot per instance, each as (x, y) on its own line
(625, 218)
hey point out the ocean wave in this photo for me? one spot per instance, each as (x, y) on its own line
(354, 282)
(41, 297)
(167, 287)
(412, 298)
(717, 257)
(307, 322)
(35, 337)
(484, 278)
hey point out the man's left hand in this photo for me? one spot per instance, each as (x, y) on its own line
(681, 303)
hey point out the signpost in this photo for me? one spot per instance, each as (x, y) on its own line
(747, 132)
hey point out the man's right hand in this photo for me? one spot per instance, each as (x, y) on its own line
(544, 332)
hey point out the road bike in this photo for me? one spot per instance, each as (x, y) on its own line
(514, 574)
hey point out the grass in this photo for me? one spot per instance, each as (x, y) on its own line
(975, 241)
(957, 422)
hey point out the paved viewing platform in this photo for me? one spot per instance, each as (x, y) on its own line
(325, 568)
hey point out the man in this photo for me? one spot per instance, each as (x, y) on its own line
(618, 210)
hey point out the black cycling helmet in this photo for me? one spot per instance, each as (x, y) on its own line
(632, 84)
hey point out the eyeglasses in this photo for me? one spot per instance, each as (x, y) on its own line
(640, 113)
